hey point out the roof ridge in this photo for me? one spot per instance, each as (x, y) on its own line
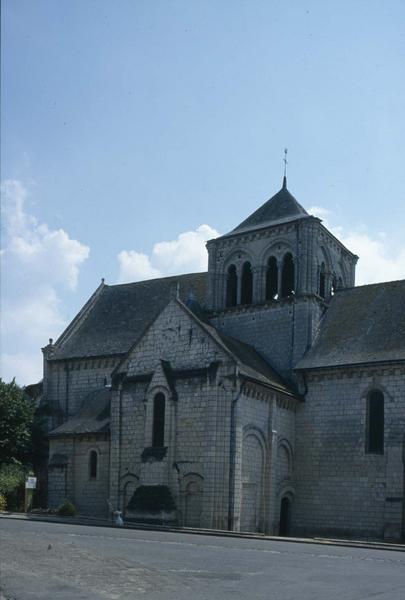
(81, 315)
(281, 207)
(116, 285)
(368, 285)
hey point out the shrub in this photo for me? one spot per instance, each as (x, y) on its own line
(12, 477)
(67, 509)
(16, 415)
(3, 502)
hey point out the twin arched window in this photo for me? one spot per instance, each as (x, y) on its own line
(246, 288)
(275, 286)
(336, 284)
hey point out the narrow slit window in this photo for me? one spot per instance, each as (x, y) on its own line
(158, 434)
(322, 281)
(93, 460)
(272, 279)
(375, 422)
(247, 284)
(231, 286)
(288, 276)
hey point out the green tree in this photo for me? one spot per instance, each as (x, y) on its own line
(16, 417)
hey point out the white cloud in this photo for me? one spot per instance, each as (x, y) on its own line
(44, 253)
(25, 367)
(186, 254)
(135, 266)
(318, 211)
(34, 314)
(378, 259)
(38, 263)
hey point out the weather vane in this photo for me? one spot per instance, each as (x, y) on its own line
(285, 161)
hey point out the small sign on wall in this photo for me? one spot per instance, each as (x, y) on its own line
(31, 483)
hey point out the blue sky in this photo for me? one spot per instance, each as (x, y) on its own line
(132, 131)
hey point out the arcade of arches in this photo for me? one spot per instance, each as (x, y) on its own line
(279, 281)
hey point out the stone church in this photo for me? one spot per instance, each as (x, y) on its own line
(266, 395)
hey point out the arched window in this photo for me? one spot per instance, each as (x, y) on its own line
(375, 422)
(272, 279)
(322, 281)
(247, 284)
(158, 432)
(93, 459)
(287, 276)
(231, 286)
(334, 286)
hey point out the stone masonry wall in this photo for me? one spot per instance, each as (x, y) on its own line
(68, 383)
(60, 483)
(265, 427)
(197, 415)
(73, 481)
(308, 241)
(91, 495)
(280, 331)
(342, 489)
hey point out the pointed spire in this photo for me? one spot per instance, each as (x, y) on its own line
(285, 169)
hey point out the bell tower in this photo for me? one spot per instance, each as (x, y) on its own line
(272, 277)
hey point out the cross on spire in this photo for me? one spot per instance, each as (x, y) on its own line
(285, 168)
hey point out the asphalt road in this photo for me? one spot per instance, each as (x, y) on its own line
(53, 561)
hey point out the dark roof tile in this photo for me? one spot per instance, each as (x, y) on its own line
(121, 313)
(250, 362)
(365, 324)
(93, 417)
(281, 208)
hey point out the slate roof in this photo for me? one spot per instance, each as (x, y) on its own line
(93, 417)
(281, 208)
(365, 324)
(121, 313)
(58, 460)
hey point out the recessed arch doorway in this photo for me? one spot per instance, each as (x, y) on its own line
(285, 516)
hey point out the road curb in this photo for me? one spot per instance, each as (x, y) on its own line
(94, 522)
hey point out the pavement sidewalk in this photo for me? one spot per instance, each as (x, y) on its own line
(97, 522)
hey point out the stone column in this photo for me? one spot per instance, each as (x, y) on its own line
(259, 281)
(279, 276)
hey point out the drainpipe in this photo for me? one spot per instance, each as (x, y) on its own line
(271, 436)
(119, 444)
(232, 456)
(74, 469)
(403, 488)
(67, 391)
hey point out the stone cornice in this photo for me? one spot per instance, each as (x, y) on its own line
(354, 370)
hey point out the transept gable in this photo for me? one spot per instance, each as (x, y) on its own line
(175, 338)
(178, 340)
